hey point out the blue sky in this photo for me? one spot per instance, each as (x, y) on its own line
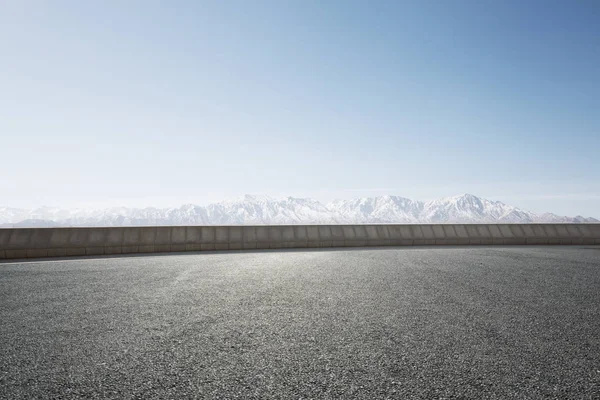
(163, 103)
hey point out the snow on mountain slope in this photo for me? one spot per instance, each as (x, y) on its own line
(248, 209)
(266, 210)
(384, 209)
(470, 208)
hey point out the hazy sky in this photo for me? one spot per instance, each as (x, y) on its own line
(170, 102)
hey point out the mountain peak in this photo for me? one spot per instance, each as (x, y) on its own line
(258, 209)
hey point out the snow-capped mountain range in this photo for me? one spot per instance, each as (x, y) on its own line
(466, 208)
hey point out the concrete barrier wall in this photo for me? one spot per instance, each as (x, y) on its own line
(62, 242)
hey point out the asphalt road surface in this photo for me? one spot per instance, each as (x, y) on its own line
(402, 323)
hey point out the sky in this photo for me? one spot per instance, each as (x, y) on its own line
(156, 103)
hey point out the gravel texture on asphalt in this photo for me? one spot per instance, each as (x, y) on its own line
(401, 323)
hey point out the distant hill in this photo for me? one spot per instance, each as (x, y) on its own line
(466, 208)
